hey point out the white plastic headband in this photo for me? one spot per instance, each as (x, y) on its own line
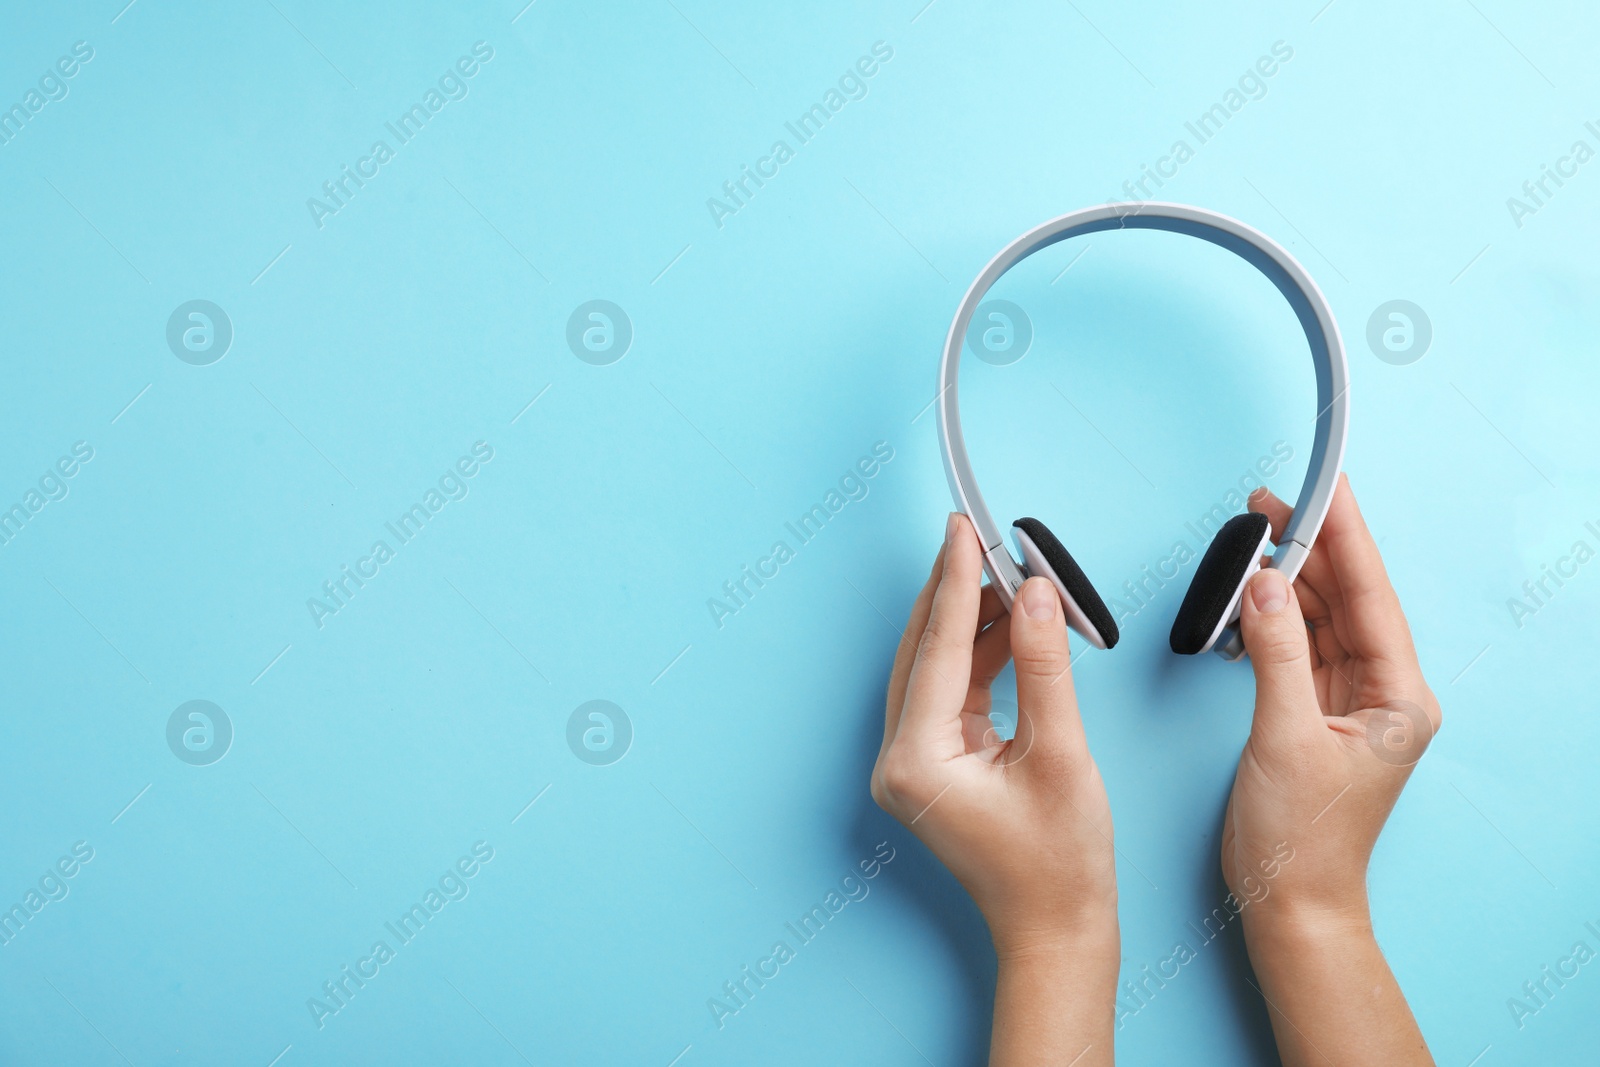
(1255, 248)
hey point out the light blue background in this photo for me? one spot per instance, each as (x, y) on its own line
(769, 354)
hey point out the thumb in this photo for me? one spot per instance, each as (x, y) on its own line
(1043, 659)
(1274, 633)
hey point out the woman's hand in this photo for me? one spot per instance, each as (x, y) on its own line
(1342, 714)
(1023, 824)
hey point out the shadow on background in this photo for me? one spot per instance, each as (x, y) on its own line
(918, 881)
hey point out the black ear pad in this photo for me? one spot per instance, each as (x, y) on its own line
(1071, 578)
(1217, 581)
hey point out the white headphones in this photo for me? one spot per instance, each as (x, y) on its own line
(1208, 617)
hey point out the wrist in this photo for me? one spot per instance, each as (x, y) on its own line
(1285, 927)
(1055, 995)
(1054, 942)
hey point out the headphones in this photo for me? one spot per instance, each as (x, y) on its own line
(1209, 616)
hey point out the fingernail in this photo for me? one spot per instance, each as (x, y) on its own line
(950, 526)
(1269, 591)
(1039, 599)
(1258, 493)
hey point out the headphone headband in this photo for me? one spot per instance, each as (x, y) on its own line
(1255, 248)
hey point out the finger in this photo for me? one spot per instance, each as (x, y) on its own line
(989, 609)
(1274, 633)
(978, 734)
(1315, 571)
(1326, 648)
(1264, 501)
(1312, 604)
(1325, 643)
(940, 674)
(990, 654)
(989, 606)
(1045, 696)
(906, 653)
(1317, 586)
(1377, 627)
(991, 650)
(978, 730)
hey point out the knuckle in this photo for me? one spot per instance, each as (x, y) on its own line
(1278, 644)
(935, 637)
(899, 780)
(1046, 658)
(1064, 767)
(898, 772)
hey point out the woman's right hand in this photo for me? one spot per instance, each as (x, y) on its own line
(1342, 714)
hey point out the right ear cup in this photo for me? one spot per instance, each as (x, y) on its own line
(1046, 557)
(1213, 597)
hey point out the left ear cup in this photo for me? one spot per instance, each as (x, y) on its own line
(1213, 597)
(1046, 557)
